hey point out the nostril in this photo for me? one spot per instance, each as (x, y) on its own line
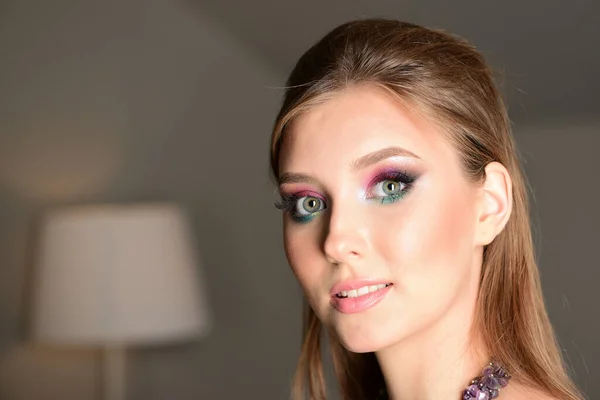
(332, 261)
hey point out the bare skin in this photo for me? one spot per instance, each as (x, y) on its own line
(352, 214)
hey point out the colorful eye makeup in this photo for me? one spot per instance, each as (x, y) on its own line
(389, 186)
(302, 206)
(386, 187)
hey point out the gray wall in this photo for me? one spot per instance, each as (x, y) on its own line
(563, 167)
(146, 100)
(151, 100)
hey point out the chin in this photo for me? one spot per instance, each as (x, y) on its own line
(365, 340)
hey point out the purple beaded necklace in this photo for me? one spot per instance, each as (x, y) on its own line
(484, 387)
(487, 386)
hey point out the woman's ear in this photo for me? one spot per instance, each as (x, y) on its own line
(494, 203)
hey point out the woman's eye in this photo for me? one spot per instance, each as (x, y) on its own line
(308, 205)
(388, 187)
(301, 208)
(391, 187)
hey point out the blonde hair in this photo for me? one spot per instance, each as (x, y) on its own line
(447, 80)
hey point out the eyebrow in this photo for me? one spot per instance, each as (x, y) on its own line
(291, 177)
(361, 163)
(380, 155)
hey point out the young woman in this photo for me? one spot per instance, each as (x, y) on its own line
(406, 222)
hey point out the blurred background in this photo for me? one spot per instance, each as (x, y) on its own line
(172, 101)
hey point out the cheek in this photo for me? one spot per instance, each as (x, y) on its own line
(430, 252)
(302, 252)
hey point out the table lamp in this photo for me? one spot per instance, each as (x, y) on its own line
(114, 276)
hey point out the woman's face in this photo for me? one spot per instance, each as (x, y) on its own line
(379, 221)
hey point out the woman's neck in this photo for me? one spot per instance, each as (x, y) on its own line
(435, 364)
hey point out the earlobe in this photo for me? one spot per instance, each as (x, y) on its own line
(495, 203)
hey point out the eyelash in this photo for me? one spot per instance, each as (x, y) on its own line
(289, 202)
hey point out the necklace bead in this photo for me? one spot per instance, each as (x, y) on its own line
(488, 385)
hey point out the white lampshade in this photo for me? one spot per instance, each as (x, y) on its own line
(118, 274)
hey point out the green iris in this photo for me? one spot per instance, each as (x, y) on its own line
(311, 204)
(390, 187)
(307, 208)
(393, 191)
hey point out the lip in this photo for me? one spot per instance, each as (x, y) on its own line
(355, 284)
(353, 305)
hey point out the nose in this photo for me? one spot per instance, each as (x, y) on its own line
(346, 238)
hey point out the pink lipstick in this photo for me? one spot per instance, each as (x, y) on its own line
(352, 297)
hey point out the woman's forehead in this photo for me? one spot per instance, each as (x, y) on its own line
(356, 122)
